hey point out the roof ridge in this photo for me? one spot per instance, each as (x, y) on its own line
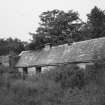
(89, 40)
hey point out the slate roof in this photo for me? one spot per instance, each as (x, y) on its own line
(77, 52)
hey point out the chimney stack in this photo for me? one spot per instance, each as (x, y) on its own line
(47, 46)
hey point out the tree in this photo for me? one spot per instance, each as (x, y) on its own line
(15, 45)
(85, 32)
(97, 19)
(8, 45)
(56, 27)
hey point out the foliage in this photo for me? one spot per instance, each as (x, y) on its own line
(94, 27)
(69, 76)
(56, 27)
(97, 20)
(59, 27)
(8, 45)
(50, 89)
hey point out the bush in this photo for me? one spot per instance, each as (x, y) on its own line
(68, 85)
(69, 76)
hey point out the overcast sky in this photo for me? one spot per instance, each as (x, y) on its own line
(19, 17)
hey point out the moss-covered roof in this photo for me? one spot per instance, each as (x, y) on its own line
(77, 52)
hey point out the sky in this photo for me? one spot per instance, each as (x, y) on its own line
(19, 17)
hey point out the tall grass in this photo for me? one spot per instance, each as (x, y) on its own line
(67, 85)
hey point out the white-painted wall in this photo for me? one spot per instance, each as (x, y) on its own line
(84, 65)
(20, 70)
(47, 68)
(32, 70)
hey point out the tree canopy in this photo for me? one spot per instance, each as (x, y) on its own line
(8, 45)
(59, 27)
(56, 27)
(97, 20)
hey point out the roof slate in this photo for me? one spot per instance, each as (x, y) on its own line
(77, 52)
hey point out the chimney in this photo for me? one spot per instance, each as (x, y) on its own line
(47, 46)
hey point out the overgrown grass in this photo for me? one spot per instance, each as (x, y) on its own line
(67, 85)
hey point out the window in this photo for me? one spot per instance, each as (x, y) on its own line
(38, 69)
(25, 70)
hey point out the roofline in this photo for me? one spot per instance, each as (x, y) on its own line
(88, 40)
(57, 64)
(67, 44)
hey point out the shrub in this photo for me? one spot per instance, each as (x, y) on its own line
(69, 76)
(67, 85)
